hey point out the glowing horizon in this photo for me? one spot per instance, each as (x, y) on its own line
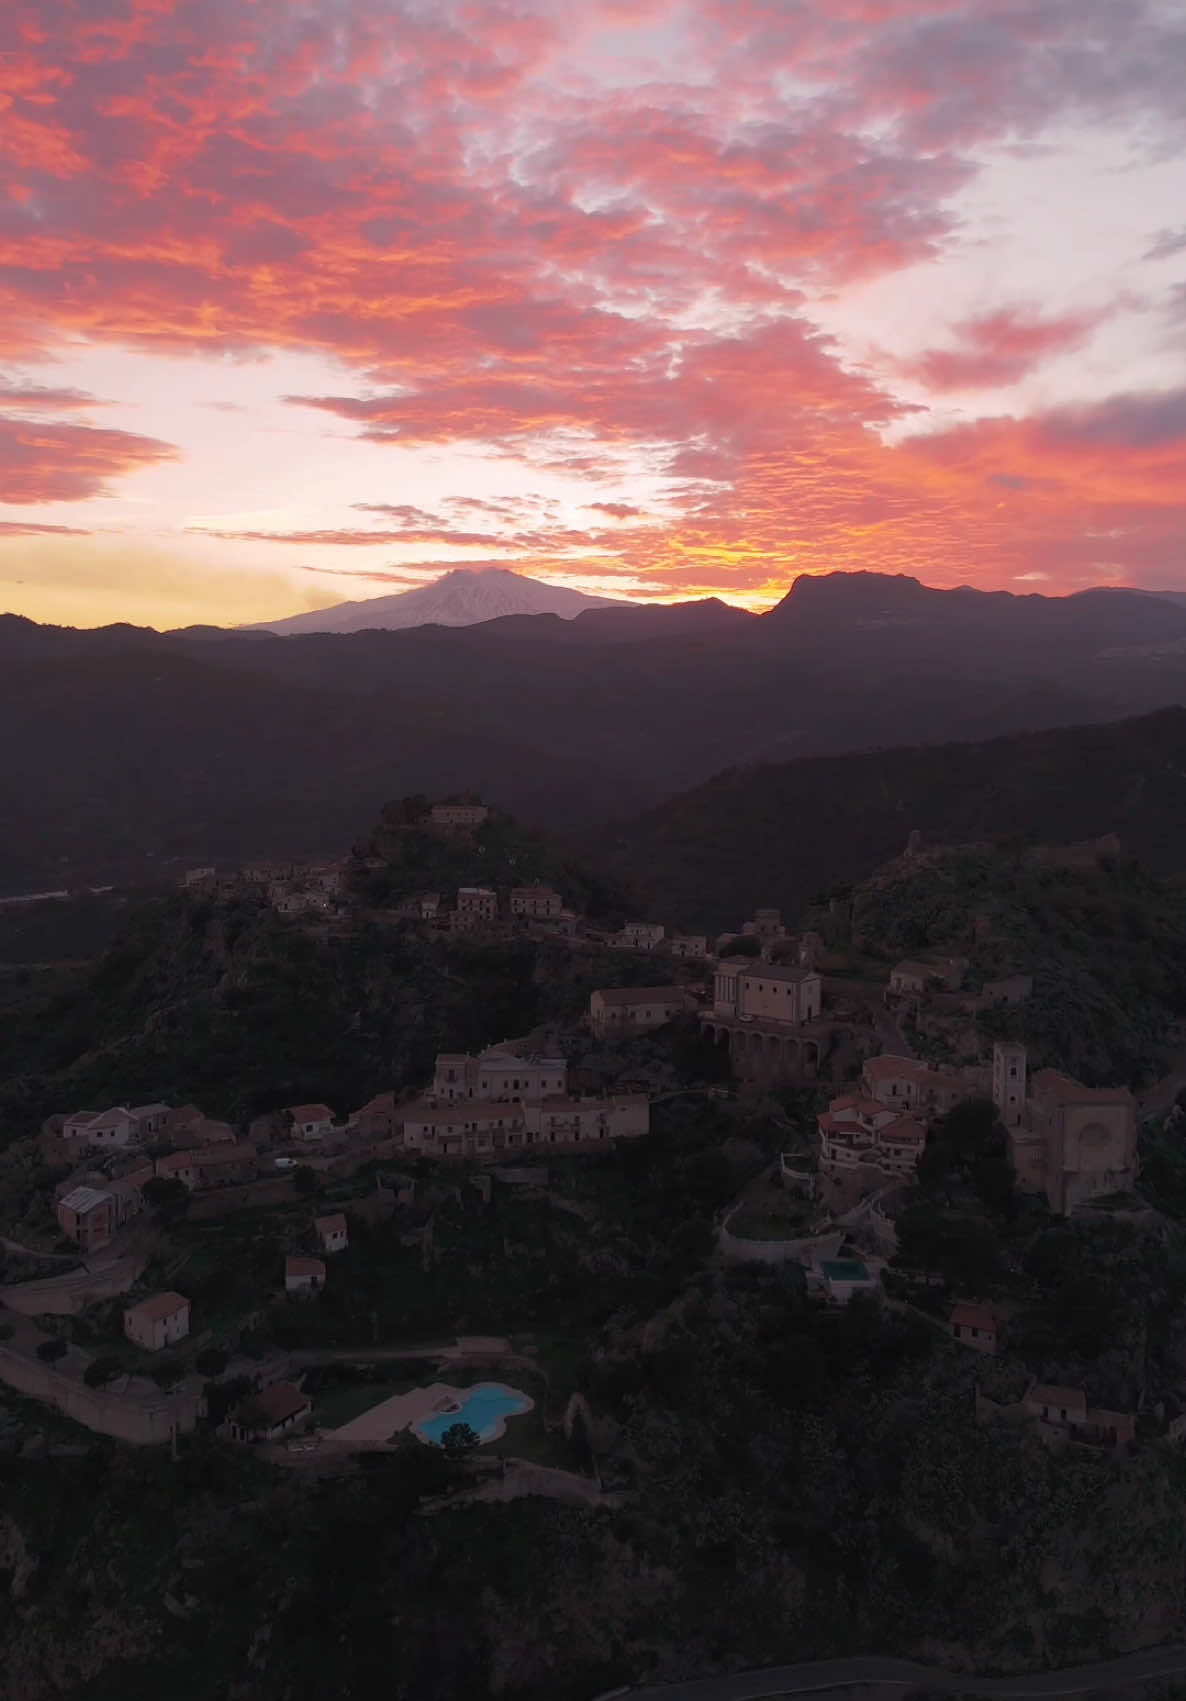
(308, 302)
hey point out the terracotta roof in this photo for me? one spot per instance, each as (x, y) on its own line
(175, 1161)
(82, 1116)
(926, 971)
(908, 1069)
(1072, 1400)
(209, 1157)
(310, 1113)
(272, 1406)
(1067, 1091)
(623, 995)
(333, 1224)
(971, 1315)
(294, 1266)
(158, 1306)
(904, 1129)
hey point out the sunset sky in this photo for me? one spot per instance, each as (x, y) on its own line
(303, 300)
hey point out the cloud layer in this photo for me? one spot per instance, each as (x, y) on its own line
(601, 241)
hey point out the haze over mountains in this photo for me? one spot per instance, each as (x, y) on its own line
(132, 751)
(464, 597)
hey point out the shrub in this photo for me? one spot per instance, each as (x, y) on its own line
(102, 1370)
(50, 1351)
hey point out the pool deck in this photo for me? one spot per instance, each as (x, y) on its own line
(402, 1411)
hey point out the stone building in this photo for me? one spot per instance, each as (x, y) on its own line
(497, 1074)
(1070, 1142)
(158, 1321)
(764, 1012)
(635, 1009)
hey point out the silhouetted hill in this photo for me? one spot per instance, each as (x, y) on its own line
(779, 834)
(132, 746)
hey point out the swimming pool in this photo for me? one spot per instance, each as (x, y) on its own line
(484, 1408)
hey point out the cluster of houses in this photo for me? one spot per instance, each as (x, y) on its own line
(1070, 1142)
(477, 909)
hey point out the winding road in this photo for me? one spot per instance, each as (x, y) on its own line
(1148, 1666)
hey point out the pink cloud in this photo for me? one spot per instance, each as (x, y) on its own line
(64, 462)
(999, 348)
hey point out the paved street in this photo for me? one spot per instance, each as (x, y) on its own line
(1152, 1664)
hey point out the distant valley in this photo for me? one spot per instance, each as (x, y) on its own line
(132, 753)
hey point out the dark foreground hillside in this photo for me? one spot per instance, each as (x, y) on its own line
(778, 834)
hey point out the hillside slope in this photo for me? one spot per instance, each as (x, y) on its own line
(777, 834)
(128, 747)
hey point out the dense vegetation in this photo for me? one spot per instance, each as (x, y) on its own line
(1105, 945)
(779, 834)
(217, 999)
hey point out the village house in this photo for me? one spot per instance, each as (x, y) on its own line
(688, 945)
(378, 1119)
(641, 935)
(766, 926)
(908, 979)
(178, 1166)
(299, 902)
(158, 1321)
(326, 877)
(120, 1126)
(181, 1121)
(126, 1196)
(575, 1122)
(267, 1416)
(859, 1133)
(904, 1083)
(310, 1121)
(477, 906)
(1067, 1410)
(464, 1129)
(207, 1131)
(976, 1325)
(332, 1232)
(497, 1074)
(458, 817)
(220, 1165)
(303, 1277)
(198, 877)
(537, 903)
(422, 906)
(87, 1216)
(636, 1009)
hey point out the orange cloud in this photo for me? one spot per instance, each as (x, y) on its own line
(582, 270)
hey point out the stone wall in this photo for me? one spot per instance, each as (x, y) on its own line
(71, 1294)
(140, 1420)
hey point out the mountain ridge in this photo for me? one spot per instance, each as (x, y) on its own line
(461, 597)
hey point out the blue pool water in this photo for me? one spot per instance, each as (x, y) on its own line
(482, 1408)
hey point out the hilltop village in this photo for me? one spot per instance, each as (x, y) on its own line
(416, 1226)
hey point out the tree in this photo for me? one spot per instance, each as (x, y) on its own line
(744, 945)
(459, 1441)
(211, 1361)
(167, 1374)
(100, 1371)
(167, 1196)
(51, 1351)
(304, 1180)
